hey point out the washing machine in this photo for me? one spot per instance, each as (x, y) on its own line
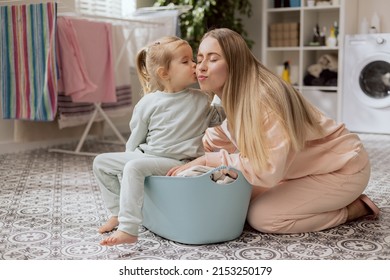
(366, 83)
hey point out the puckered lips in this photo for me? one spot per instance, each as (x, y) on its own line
(202, 78)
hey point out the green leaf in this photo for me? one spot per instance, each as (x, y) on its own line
(207, 14)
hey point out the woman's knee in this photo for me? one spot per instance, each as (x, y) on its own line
(261, 218)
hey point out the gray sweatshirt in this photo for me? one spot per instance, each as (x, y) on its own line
(172, 124)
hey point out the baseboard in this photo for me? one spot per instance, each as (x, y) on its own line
(7, 147)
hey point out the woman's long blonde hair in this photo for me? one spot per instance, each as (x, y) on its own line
(251, 93)
(150, 58)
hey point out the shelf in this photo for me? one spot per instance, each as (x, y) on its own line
(283, 49)
(304, 56)
(278, 10)
(319, 48)
(323, 89)
(319, 8)
(306, 8)
(305, 48)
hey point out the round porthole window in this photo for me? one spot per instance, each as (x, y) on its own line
(374, 79)
(373, 76)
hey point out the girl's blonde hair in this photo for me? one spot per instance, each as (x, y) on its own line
(253, 93)
(150, 58)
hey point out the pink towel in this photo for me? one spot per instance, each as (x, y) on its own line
(86, 60)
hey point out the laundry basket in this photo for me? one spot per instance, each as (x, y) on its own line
(196, 210)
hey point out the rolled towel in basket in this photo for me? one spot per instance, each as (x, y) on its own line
(219, 176)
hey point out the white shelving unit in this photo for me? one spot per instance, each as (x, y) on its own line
(301, 56)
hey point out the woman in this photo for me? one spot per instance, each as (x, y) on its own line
(308, 172)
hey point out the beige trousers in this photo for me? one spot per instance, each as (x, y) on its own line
(307, 204)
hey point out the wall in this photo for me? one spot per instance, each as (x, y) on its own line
(15, 138)
(23, 135)
(381, 7)
(6, 128)
(365, 9)
(253, 27)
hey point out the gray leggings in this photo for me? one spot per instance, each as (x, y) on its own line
(121, 176)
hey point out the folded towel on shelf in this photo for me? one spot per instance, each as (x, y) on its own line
(322, 73)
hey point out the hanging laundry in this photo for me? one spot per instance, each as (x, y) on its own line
(77, 113)
(28, 74)
(86, 60)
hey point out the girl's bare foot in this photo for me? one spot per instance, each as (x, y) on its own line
(119, 237)
(109, 225)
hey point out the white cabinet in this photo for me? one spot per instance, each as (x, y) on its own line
(289, 34)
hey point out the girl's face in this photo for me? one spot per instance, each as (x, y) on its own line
(212, 68)
(182, 70)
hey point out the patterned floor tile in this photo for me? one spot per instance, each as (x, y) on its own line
(51, 207)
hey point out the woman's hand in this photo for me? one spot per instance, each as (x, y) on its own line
(177, 169)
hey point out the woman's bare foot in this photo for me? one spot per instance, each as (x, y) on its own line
(119, 237)
(361, 207)
(356, 210)
(109, 225)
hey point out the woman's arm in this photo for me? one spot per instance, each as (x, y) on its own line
(214, 140)
(216, 115)
(217, 138)
(279, 158)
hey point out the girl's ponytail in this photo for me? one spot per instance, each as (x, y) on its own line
(142, 70)
(154, 56)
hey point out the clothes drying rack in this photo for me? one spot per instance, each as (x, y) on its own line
(129, 22)
(98, 109)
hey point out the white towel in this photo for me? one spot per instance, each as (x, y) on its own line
(219, 176)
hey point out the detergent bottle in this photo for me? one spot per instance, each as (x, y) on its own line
(332, 40)
(286, 72)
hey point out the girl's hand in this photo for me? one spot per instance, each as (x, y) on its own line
(177, 169)
(173, 170)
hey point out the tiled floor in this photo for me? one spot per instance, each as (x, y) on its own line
(51, 207)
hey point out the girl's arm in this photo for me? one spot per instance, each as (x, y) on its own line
(139, 130)
(177, 169)
(215, 139)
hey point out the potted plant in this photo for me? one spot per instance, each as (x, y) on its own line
(208, 14)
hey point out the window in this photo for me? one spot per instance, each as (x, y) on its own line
(108, 8)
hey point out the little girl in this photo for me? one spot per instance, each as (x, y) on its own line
(167, 127)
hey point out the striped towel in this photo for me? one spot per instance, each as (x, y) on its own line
(28, 74)
(76, 113)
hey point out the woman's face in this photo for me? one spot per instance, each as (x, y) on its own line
(212, 68)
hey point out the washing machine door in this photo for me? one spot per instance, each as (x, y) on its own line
(373, 74)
